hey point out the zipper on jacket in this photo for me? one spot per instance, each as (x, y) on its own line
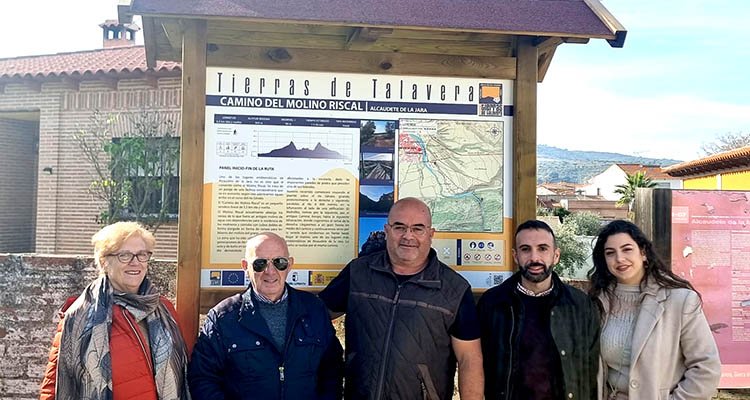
(386, 349)
(137, 333)
(282, 375)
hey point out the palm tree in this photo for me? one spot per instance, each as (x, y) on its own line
(627, 191)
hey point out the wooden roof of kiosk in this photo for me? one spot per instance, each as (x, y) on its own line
(499, 39)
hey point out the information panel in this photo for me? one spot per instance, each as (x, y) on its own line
(320, 158)
(711, 248)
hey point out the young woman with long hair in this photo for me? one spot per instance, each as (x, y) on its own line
(655, 340)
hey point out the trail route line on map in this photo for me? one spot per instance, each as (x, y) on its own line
(456, 167)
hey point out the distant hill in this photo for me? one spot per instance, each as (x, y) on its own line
(560, 165)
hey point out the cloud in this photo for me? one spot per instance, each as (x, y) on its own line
(585, 117)
(678, 82)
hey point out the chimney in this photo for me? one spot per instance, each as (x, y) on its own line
(115, 34)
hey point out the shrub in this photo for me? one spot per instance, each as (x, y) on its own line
(583, 223)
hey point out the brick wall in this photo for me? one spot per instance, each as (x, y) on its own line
(65, 210)
(18, 144)
(32, 288)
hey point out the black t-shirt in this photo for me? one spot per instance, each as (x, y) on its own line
(465, 326)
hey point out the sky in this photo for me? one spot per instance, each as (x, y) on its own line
(679, 81)
(31, 27)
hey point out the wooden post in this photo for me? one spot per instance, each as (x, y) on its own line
(653, 214)
(192, 142)
(524, 132)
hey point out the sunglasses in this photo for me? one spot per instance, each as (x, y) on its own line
(280, 263)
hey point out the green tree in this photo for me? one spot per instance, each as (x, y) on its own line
(561, 212)
(573, 252)
(583, 223)
(543, 211)
(135, 175)
(366, 131)
(627, 190)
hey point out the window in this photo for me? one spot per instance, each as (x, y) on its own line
(148, 168)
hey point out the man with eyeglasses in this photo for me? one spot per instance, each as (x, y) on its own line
(410, 319)
(271, 341)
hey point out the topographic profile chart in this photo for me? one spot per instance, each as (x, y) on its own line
(294, 144)
(456, 167)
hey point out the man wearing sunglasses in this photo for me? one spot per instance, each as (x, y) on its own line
(410, 319)
(271, 342)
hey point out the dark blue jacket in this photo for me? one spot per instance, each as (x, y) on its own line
(236, 358)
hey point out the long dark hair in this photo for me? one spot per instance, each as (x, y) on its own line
(603, 282)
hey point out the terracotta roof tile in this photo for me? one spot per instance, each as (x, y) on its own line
(111, 61)
(732, 159)
(651, 171)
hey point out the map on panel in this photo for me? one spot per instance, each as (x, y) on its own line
(456, 167)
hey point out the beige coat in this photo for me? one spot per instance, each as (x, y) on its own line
(674, 355)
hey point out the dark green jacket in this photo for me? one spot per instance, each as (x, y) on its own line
(574, 322)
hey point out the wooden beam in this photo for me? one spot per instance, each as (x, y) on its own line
(546, 47)
(173, 29)
(653, 214)
(545, 60)
(543, 44)
(367, 62)
(456, 36)
(149, 33)
(524, 132)
(608, 19)
(576, 40)
(212, 297)
(192, 143)
(215, 25)
(364, 38)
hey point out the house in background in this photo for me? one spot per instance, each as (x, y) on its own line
(559, 189)
(571, 197)
(605, 184)
(45, 205)
(729, 170)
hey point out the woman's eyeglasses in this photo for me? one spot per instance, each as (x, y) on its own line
(280, 263)
(126, 257)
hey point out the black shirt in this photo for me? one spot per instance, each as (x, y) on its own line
(465, 326)
(539, 366)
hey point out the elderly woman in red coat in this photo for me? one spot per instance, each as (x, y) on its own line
(119, 338)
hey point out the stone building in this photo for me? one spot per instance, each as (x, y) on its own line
(45, 203)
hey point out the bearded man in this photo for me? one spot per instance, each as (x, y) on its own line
(540, 337)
